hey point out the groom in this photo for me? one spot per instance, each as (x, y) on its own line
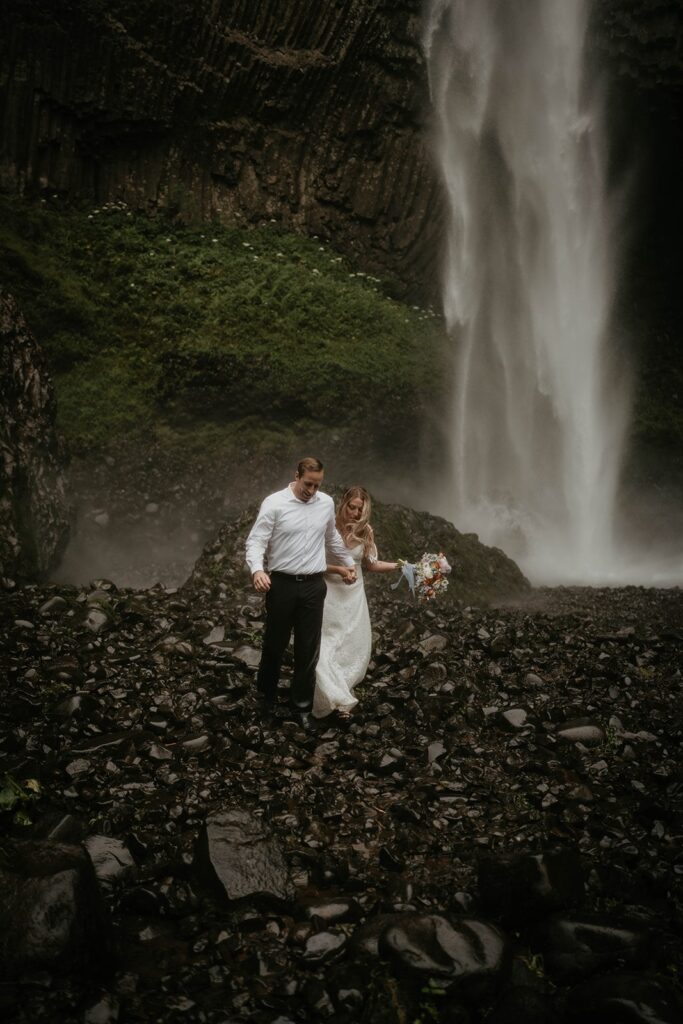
(293, 530)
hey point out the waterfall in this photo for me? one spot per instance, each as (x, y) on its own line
(541, 400)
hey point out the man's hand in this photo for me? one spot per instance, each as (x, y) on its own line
(348, 574)
(261, 581)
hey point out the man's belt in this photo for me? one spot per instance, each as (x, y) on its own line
(300, 577)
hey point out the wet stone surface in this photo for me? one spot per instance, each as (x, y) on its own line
(494, 835)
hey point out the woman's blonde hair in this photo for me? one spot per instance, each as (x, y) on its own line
(357, 531)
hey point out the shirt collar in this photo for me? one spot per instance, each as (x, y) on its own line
(293, 497)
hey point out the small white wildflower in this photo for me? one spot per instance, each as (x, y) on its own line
(168, 239)
(315, 271)
(279, 254)
(214, 239)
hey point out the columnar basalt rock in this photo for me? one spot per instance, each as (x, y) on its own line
(308, 114)
(304, 113)
(34, 515)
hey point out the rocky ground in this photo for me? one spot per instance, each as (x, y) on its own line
(494, 835)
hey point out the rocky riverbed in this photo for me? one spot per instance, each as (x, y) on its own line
(494, 835)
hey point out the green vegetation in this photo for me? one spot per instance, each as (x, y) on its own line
(17, 797)
(156, 330)
(203, 337)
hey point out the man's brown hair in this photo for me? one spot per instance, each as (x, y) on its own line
(309, 465)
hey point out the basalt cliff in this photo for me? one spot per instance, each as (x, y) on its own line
(311, 115)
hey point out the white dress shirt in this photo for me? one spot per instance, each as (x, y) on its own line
(293, 536)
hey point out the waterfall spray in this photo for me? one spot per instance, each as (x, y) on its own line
(541, 404)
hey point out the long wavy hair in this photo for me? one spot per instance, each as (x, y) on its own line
(357, 531)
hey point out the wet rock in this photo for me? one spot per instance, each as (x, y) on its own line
(514, 718)
(237, 856)
(324, 947)
(104, 1011)
(51, 909)
(627, 998)
(216, 636)
(500, 645)
(582, 730)
(576, 946)
(463, 949)
(96, 619)
(435, 751)
(516, 886)
(249, 656)
(434, 644)
(53, 606)
(327, 911)
(196, 744)
(111, 859)
(390, 861)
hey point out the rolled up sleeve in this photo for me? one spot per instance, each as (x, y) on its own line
(259, 536)
(334, 545)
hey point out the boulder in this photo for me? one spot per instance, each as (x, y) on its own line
(51, 909)
(238, 858)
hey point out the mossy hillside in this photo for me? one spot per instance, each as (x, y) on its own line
(156, 330)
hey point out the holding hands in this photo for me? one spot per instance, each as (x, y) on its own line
(348, 574)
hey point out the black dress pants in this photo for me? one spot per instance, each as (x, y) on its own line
(292, 603)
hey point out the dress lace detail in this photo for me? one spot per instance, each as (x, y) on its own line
(345, 643)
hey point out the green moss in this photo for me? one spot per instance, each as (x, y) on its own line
(152, 327)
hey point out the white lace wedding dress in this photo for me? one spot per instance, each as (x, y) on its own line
(345, 644)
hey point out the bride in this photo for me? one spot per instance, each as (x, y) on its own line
(346, 638)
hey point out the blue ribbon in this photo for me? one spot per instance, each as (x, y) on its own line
(407, 573)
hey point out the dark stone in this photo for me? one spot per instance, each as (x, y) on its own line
(249, 656)
(390, 861)
(466, 950)
(523, 1006)
(518, 886)
(582, 730)
(111, 859)
(328, 910)
(624, 999)
(577, 946)
(34, 515)
(51, 909)
(324, 946)
(237, 857)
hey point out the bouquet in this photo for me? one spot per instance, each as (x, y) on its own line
(426, 578)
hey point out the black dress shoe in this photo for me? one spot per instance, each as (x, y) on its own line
(306, 721)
